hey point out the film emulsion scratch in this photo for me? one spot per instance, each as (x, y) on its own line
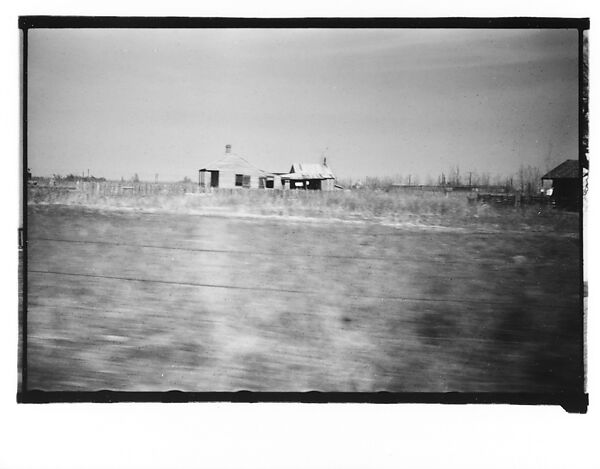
(293, 210)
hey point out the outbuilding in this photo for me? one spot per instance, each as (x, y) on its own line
(233, 171)
(310, 176)
(566, 183)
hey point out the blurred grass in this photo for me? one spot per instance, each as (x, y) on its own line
(385, 308)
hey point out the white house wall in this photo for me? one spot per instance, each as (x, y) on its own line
(227, 180)
(328, 184)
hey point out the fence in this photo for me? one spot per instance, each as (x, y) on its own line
(109, 188)
(514, 199)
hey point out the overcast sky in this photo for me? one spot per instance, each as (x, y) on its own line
(376, 102)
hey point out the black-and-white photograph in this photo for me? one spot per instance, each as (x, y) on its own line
(294, 209)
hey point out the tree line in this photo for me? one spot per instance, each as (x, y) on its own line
(526, 180)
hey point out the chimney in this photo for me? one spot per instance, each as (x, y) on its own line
(227, 148)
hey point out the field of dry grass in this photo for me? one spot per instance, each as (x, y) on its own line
(429, 208)
(319, 291)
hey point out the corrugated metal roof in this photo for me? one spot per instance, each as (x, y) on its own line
(568, 169)
(309, 171)
(234, 163)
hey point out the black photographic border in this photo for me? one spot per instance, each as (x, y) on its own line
(576, 402)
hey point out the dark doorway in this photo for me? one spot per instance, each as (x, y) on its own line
(314, 184)
(214, 179)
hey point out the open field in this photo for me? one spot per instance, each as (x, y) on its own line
(396, 294)
(420, 207)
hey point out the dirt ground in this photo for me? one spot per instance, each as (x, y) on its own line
(125, 300)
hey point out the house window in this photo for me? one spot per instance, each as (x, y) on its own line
(246, 181)
(270, 182)
(239, 180)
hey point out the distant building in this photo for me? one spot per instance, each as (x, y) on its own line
(310, 176)
(233, 171)
(567, 184)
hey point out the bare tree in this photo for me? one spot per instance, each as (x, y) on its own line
(454, 177)
(529, 180)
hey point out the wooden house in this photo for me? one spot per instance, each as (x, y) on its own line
(309, 176)
(567, 183)
(233, 171)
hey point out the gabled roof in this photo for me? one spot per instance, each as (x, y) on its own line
(309, 171)
(234, 163)
(568, 169)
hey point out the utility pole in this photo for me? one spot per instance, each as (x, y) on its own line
(469, 178)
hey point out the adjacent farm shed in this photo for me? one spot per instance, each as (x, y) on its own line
(566, 183)
(231, 171)
(311, 176)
